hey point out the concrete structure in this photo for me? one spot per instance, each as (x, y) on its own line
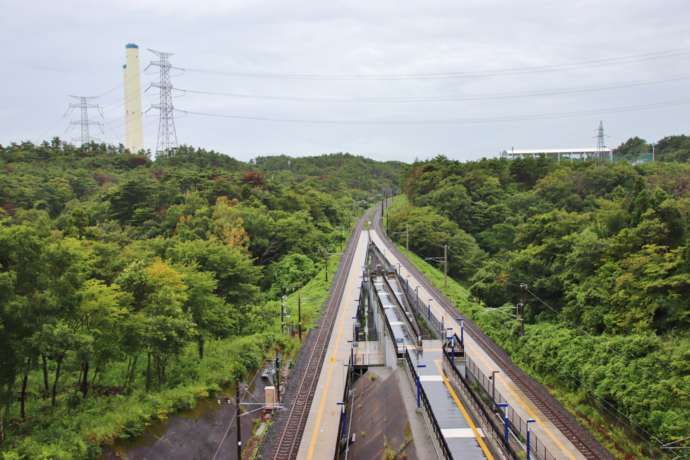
(134, 130)
(588, 153)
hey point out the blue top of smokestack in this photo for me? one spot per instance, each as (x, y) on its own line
(131, 45)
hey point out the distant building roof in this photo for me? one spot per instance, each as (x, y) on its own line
(131, 45)
(555, 151)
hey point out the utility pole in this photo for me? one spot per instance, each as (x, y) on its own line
(237, 419)
(167, 134)
(282, 314)
(299, 316)
(407, 236)
(84, 123)
(445, 265)
(521, 308)
(325, 265)
(277, 363)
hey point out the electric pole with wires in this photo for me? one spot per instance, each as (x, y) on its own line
(443, 261)
(520, 310)
(167, 134)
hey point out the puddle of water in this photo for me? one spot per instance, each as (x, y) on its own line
(204, 432)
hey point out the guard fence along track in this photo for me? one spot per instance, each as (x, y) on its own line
(291, 427)
(552, 409)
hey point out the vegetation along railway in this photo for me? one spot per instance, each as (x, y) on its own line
(286, 434)
(289, 425)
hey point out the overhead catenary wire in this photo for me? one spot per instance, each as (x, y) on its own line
(629, 59)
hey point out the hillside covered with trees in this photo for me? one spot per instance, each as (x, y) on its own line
(131, 287)
(671, 148)
(599, 255)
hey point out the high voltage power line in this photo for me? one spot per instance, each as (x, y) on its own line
(413, 99)
(457, 121)
(459, 74)
(167, 136)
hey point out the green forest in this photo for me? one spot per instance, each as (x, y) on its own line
(131, 287)
(593, 258)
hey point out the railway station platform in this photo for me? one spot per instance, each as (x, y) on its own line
(459, 431)
(464, 438)
(550, 436)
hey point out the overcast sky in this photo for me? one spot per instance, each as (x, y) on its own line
(358, 52)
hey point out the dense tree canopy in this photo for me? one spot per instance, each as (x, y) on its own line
(114, 261)
(597, 252)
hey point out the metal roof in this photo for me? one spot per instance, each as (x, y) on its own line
(555, 151)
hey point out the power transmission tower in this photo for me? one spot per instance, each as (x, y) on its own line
(167, 134)
(84, 123)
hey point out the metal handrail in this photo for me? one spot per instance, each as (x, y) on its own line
(430, 319)
(427, 407)
(491, 418)
(413, 324)
(398, 354)
(343, 413)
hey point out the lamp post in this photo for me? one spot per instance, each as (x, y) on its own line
(419, 387)
(237, 419)
(282, 314)
(529, 454)
(277, 366)
(493, 384)
(506, 422)
(299, 316)
(342, 419)
(452, 344)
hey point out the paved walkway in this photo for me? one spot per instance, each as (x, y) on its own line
(555, 441)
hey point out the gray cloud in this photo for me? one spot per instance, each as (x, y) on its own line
(52, 49)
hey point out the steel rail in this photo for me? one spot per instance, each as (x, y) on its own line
(291, 426)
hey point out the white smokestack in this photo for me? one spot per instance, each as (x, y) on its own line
(134, 130)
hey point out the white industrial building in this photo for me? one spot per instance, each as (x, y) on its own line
(589, 153)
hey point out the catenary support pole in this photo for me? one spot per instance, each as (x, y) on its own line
(237, 419)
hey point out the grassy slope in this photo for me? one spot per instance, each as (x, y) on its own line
(313, 295)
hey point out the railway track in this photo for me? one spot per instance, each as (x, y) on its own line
(552, 409)
(290, 425)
